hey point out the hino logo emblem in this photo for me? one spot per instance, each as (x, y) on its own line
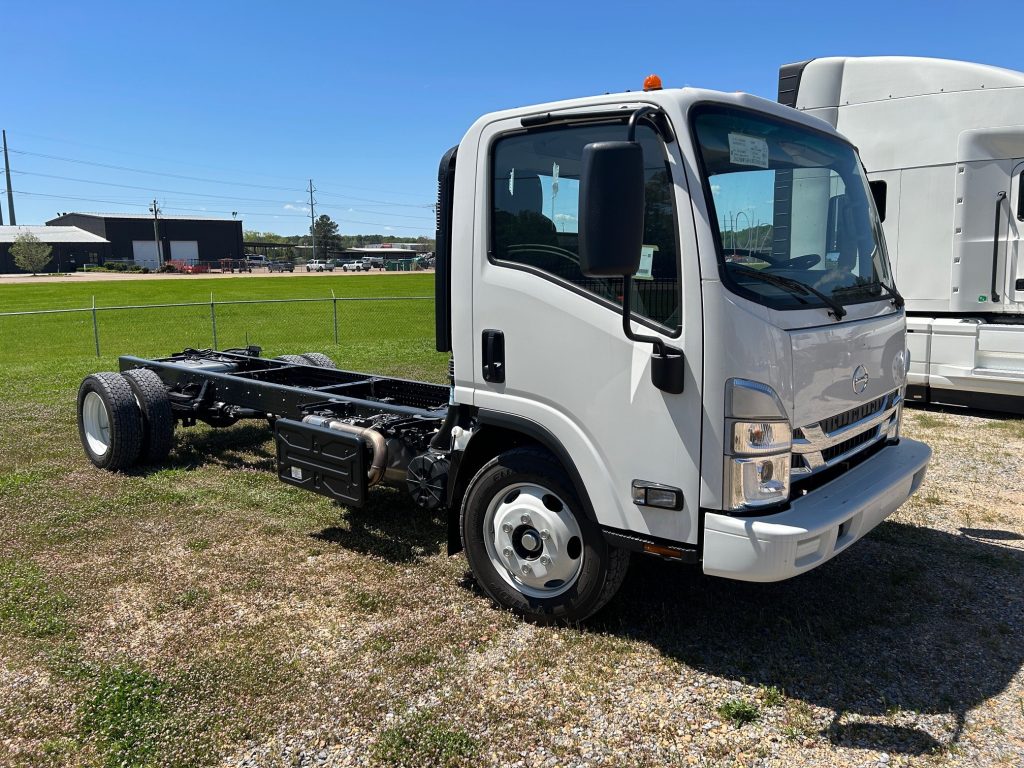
(860, 379)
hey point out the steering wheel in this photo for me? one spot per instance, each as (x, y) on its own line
(806, 261)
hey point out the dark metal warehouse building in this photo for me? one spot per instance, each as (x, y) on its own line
(183, 238)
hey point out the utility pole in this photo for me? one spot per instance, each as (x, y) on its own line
(312, 216)
(10, 192)
(156, 234)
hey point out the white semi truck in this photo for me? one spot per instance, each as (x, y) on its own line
(622, 380)
(943, 145)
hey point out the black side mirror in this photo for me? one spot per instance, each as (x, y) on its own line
(611, 223)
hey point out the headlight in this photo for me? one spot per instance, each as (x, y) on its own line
(760, 440)
(759, 437)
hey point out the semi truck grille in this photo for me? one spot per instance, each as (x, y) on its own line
(837, 438)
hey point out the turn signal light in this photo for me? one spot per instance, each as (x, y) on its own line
(652, 83)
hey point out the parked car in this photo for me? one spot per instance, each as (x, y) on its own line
(280, 266)
(256, 260)
(319, 265)
(355, 266)
(373, 262)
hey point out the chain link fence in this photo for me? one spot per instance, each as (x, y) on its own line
(390, 335)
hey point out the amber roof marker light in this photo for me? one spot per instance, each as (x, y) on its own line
(652, 83)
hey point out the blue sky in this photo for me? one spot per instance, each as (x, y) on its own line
(250, 100)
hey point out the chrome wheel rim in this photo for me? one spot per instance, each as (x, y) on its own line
(533, 540)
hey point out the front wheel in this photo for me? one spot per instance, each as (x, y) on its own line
(529, 544)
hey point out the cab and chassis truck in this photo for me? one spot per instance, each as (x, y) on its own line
(623, 378)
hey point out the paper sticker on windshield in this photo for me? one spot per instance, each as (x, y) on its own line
(646, 262)
(748, 150)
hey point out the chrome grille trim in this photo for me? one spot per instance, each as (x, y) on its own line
(813, 440)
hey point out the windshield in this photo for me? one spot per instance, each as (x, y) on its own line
(792, 202)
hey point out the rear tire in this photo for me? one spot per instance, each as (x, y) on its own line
(530, 545)
(319, 359)
(109, 421)
(293, 359)
(157, 416)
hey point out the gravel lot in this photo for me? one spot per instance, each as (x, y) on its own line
(205, 614)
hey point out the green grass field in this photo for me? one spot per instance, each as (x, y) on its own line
(42, 295)
(382, 336)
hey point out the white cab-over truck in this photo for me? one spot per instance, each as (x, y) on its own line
(623, 379)
(943, 145)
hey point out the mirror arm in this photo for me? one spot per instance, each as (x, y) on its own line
(627, 315)
(635, 118)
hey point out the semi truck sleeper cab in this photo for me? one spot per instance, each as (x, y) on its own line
(673, 329)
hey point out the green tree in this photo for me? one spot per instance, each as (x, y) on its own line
(30, 253)
(327, 237)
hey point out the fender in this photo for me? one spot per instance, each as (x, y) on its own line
(503, 428)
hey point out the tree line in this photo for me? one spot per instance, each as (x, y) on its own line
(329, 239)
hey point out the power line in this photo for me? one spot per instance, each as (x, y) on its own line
(184, 177)
(199, 165)
(259, 215)
(230, 198)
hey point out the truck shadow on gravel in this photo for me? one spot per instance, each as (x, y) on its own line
(912, 625)
(389, 527)
(245, 445)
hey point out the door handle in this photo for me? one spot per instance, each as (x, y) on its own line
(493, 356)
(995, 249)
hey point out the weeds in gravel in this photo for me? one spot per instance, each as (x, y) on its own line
(126, 712)
(28, 603)
(193, 597)
(739, 711)
(772, 695)
(928, 421)
(424, 740)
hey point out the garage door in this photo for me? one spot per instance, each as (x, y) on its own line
(144, 253)
(185, 250)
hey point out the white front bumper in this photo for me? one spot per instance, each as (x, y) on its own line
(818, 526)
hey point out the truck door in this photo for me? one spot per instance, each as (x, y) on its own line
(548, 341)
(1014, 257)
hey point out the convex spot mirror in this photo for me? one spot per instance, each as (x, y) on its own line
(611, 223)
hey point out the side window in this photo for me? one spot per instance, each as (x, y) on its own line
(535, 210)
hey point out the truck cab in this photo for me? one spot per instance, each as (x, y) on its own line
(949, 189)
(761, 271)
(673, 330)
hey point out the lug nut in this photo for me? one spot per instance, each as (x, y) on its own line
(545, 560)
(527, 570)
(507, 528)
(525, 519)
(545, 535)
(507, 552)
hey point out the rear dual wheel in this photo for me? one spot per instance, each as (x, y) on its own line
(124, 419)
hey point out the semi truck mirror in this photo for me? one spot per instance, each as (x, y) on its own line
(611, 214)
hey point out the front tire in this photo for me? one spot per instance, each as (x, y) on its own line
(529, 543)
(109, 421)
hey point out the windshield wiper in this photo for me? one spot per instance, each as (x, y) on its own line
(897, 298)
(837, 310)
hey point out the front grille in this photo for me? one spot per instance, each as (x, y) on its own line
(845, 419)
(818, 446)
(848, 445)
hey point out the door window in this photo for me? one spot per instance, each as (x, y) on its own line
(535, 216)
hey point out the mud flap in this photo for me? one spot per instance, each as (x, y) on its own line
(322, 460)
